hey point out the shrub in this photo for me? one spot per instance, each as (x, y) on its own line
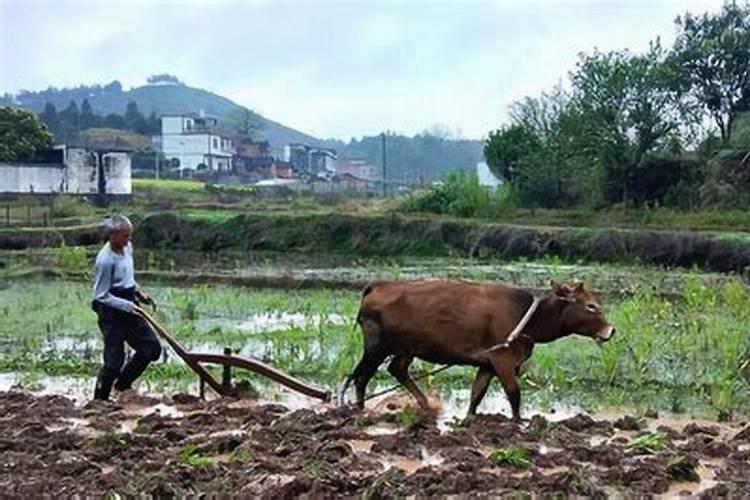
(461, 195)
(71, 258)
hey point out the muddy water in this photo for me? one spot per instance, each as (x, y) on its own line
(271, 322)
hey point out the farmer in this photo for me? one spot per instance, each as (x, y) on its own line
(116, 302)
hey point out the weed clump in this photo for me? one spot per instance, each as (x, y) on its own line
(513, 456)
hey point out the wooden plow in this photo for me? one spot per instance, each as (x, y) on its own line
(227, 360)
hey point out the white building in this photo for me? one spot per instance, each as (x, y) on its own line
(195, 143)
(358, 167)
(486, 177)
(310, 159)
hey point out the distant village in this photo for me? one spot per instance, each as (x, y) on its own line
(193, 146)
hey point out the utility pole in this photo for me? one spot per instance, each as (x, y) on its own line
(382, 142)
(156, 163)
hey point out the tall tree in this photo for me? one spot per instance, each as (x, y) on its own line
(244, 123)
(88, 118)
(22, 134)
(507, 149)
(50, 118)
(714, 52)
(113, 120)
(630, 105)
(69, 122)
(153, 124)
(134, 119)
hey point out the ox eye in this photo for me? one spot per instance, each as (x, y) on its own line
(592, 308)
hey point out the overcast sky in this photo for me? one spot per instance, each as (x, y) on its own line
(338, 69)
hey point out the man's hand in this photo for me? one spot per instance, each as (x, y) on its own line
(145, 298)
(138, 311)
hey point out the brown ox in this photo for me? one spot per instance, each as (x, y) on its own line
(462, 323)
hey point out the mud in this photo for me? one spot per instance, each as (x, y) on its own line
(181, 445)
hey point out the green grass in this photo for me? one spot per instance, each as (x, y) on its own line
(192, 457)
(170, 185)
(649, 443)
(687, 356)
(513, 456)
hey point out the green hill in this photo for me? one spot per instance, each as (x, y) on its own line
(424, 157)
(159, 98)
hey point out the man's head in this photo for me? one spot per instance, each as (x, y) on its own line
(118, 229)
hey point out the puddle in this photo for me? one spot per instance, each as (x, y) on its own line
(597, 440)
(411, 465)
(382, 430)
(361, 445)
(129, 425)
(71, 424)
(270, 322)
(707, 481)
(674, 421)
(77, 389)
(71, 344)
(160, 409)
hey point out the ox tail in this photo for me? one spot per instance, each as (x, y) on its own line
(360, 316)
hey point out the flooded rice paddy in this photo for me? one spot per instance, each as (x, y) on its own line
(669, 395)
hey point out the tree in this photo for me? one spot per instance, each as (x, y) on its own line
(134, 119)
(163, 78)
(50, 118)
(113, 120)
(114, 87)
(714, 52)
(88, 119)
(22, 134)
(630, 105)
(69, 122)
(506, 149)
(540, 113)
(153, 124)
(243, 123)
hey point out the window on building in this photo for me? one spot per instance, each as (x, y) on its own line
(216, 143)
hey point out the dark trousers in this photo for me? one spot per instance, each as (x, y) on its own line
(117, 328)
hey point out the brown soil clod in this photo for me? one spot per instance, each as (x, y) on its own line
(230, 446)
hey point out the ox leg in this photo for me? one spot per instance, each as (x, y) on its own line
(365, 370)
(505, 370)
(399, 368)
(479, 389)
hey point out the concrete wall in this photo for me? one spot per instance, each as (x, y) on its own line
(117, 173)
(77, 176)
(31, 178)
(81, 172)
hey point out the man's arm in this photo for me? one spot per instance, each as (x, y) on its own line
(102, 284)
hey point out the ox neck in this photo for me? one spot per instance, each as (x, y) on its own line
(544, 326)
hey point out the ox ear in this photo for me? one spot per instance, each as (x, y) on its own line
(561, 290)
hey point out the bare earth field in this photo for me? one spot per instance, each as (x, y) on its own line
(180, 445)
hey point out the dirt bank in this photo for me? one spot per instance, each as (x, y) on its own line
(388, 235)
(181, 445)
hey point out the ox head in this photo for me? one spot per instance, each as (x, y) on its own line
(583, 314)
